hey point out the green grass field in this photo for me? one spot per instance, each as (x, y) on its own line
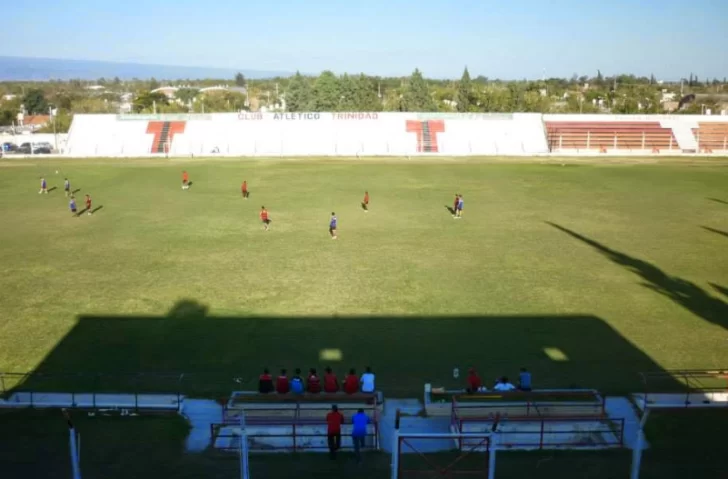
(585, 274)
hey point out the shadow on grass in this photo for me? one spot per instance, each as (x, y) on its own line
(721, 289)
(450, 209)
(52, 188)
(96, 209)
(685, 293)
(713, 230)
(718, 201)
(75, 191)
(194, 353)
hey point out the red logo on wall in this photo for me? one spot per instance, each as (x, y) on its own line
(164, 132)
(426, 132)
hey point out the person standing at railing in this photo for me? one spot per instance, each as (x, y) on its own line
(334, 420)
(359, 432)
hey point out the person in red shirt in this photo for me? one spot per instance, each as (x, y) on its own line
(474, 381)
(351, 382)
(265, 383)
(185, 181)
(282, 386)
(455, 204)
(365, 203)
(331, 383)
(264, 217)
(334, 420)
(88, 204)
(314, 382)
(244, 189)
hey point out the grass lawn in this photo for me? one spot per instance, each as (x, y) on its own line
(585, 274)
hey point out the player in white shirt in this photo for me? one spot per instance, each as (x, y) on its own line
(504, 385)
(367, 381)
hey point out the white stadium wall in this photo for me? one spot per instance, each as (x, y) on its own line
(307, 134)
(392, 134)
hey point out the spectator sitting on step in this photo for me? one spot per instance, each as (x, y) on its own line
(282, 386)
(524, 380)
(474, 382)
(367, 381)
(314, 382)
(265, 382)
(331, 383)
(504, 385)
(351, 382)
(297, 382)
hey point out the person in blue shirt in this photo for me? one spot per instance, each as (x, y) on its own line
(359, 431)
(72, 206)
(459, 208)
(297, 386)
(43, 186)
(332, 225)
(524, 380)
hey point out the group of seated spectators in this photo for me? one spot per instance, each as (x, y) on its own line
(314, 384)
(475, 384)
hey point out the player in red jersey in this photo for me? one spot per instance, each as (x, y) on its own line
(351, 382)
(185, 181)
(264, 217)
(474, 381)
(331, 383)
(282, 386)
(244, 189)
(365, 203)
(334, 420)
(88, 205)
(314, 382)
(265, 383)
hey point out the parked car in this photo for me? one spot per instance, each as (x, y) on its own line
(9, 147)
(35, 148)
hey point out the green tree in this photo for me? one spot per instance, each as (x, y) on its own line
(239, 79)
(417, 94)
(365, 95)
(464, 96)
(145, 101)
(153, 84)
(35, 102)
(298, 95)
(186, 94)
(7, 117)
(326, 92)
(348, 99)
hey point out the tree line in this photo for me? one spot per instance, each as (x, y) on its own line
(622, 94)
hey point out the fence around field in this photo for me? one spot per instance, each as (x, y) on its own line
(289, 427)
(102, 390)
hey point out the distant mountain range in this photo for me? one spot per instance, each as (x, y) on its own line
(44, 69)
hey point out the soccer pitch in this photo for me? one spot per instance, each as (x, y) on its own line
(585, 274)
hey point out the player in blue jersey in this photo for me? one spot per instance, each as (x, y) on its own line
(459, 207)
(72, 206)
(332, 225)
(43, 186)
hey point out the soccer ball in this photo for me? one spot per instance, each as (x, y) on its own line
(56, 171)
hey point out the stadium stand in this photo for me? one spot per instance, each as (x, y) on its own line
(712, 137)
(307, 134)
(648, 136)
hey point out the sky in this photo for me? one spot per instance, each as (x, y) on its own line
(497, 39)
